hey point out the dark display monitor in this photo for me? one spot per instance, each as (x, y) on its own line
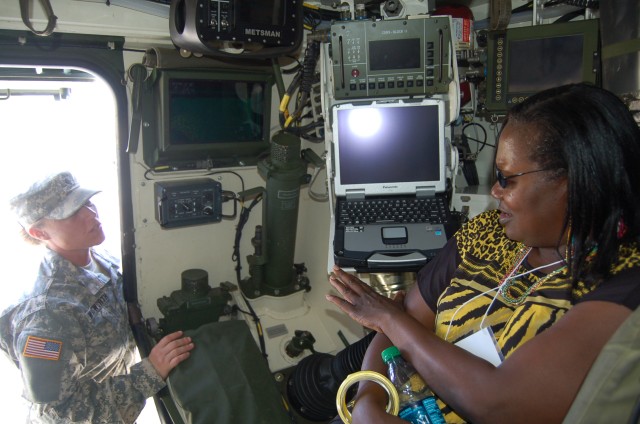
(207, 118)
(526, 60)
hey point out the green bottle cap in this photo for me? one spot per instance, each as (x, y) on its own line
(389, 353)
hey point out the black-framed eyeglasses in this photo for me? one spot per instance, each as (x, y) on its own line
(502, 180)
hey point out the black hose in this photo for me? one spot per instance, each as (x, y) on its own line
(313, 385)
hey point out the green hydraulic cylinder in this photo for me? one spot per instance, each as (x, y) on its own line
(271, 267)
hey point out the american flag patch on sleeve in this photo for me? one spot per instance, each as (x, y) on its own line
(37, 347)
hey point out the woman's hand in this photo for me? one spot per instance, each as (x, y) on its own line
(361, 302)
(169, 352)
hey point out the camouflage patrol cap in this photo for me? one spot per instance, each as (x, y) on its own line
(55, 197)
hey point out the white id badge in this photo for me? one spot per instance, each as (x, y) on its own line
(482, 344)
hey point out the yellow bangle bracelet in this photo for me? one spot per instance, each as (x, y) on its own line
(393, 406)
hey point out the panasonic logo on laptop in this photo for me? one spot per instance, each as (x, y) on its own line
(261, 32)
(393, 186)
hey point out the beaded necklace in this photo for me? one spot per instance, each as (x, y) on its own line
(506, 287)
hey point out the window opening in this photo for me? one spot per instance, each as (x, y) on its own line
(49, 125)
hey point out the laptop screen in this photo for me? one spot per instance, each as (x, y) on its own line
(389, 147)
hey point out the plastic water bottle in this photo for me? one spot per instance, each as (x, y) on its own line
(417, 402)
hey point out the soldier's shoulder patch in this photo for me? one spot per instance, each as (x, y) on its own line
(41, 348)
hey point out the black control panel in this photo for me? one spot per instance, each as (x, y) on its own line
(395, 57)
(189, 202)
(271, 26)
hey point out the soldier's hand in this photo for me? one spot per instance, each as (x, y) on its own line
(169, 352)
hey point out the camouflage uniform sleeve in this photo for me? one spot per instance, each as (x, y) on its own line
(116, 399)
(52, 355)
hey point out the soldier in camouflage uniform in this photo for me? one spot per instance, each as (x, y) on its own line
(69, 334)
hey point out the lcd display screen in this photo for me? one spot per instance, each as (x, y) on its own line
(215, 111)
(394, 54)
(538, 64)
(260, 12)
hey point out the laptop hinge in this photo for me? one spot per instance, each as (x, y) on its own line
(425, 192)
(355, 194)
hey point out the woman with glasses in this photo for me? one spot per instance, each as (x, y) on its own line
(506, 322)
(70, 334)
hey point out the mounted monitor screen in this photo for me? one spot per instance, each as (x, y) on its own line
(206, 119)
(527, 60)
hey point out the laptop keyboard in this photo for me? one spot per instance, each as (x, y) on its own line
(401, 211)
